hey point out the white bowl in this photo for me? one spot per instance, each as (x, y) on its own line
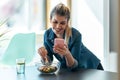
(51, 69)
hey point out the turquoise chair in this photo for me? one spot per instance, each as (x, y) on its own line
(22, 45)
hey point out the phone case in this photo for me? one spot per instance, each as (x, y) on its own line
(59, 41)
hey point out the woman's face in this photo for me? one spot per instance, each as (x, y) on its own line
(59, 24)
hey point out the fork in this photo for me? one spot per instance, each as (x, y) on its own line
(46, 61)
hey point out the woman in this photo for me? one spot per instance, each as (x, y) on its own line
(73, 54)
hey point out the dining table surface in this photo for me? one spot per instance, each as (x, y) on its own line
(32, 73)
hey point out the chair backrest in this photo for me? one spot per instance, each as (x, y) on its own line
(22, 45)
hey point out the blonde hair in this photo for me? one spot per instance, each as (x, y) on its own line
(63, 10)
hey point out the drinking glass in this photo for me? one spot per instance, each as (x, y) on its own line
(20, 65)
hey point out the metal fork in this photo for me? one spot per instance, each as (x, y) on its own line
(46, 61)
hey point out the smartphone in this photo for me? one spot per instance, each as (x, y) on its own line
(59, 42)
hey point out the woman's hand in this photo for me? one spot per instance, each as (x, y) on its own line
(64, 51)
(42, 52)
(61, 50)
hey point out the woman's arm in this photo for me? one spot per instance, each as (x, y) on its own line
(75, 48)
(71, 62)
(71, 52)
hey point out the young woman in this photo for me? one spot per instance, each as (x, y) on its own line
(73, 54)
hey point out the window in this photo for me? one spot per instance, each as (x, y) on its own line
(24, 15)
(28, 15)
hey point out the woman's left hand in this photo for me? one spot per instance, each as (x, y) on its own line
(64, 51)
(61, 50)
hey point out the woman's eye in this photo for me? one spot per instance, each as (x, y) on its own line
(62, 23)
(55, 22)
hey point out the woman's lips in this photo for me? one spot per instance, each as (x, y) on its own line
(57, 30)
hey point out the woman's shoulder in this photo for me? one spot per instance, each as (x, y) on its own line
(49, 33)
(48, 30)
(75, 31)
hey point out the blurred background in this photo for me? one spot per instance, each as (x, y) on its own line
(97, 20)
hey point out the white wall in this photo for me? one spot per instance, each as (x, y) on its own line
(87, 17)
(97, 7)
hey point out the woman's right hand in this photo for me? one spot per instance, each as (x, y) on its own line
(42, 52)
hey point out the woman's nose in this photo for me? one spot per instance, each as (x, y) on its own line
(58, 25)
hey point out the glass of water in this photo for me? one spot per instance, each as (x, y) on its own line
(20, 65)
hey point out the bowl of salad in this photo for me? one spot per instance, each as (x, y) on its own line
(48, 69)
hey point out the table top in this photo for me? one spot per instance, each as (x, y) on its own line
(31, 73)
